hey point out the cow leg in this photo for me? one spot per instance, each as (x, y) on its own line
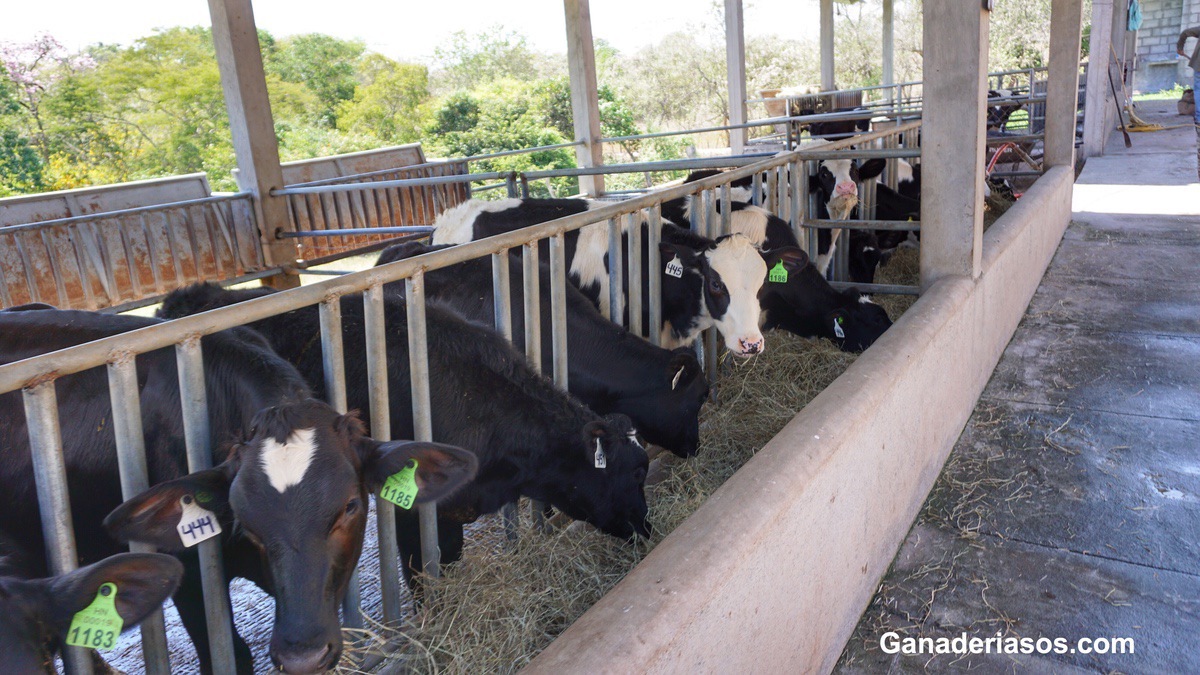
(189, 601)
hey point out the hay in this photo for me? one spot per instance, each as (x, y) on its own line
(904, 268)
(501, 605)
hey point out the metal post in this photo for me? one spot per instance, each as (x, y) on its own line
(381, 430)
(558, 308)
(654, 269)
(735, 73)
(635, 274)
(418, 363)
(756, 190)
(54, 506)
(585, 104)
(510, 184)
(889, 42)
(813, 237)
(799, 195)
(333, 365)
(135, 479)
(616, 277)
(827, 42)
(772, 193)
(726, 209)
(189, 360)
(502, 311)
(532, 302)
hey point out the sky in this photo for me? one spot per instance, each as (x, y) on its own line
(401, 29)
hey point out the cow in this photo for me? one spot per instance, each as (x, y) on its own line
(257, 405)
(836, 130)
(717, 286)
(805, 304)
(531, 439)
(1000, 108)
(36, 614)
(609, 369)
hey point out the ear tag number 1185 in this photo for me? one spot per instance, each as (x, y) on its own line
(401, 488)
(97, 625)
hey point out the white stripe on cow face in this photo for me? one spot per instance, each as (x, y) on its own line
(742, 269)
(845, 190)
(457, 225)
(751, 223)
(285, 463)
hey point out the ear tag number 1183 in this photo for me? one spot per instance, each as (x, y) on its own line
(97, 625)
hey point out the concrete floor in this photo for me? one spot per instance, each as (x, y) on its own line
(1070, 506)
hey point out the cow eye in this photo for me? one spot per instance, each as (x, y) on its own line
(715, 286)
(353, 506)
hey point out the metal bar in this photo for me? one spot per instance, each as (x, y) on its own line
(108, 215)
(502, 311)
(616, 277)
(883, 289)
(532, 303)
(355, 232)
(895, 225)
(381, 430)
(135, 479)
(510, 184)
(189, 360)
(726, 209)
(654, 270)
(799, 195)
(634, 260)
(880, 153)
(389, 184)
(418, 362)
(334, 371)
(756, 190)
(558, 308)
(54, 506)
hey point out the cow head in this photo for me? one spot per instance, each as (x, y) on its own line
(837, 181)
(675, 395)
(35, 614)
(601, 478)
(297, 490)
(857, 324)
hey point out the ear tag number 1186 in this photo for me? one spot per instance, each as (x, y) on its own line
(97, 625)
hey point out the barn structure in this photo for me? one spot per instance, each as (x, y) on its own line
(774, 572)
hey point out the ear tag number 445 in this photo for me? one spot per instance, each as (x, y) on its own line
(97, 625)
(675, 268)
(196, 524)
(401, 487)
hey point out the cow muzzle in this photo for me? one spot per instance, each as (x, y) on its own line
(846, 189)
(305, 659)
(748, 347)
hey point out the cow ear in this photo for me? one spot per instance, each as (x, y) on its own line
(682, 368)
(794, 259)
(441, 469)
(152, 517)
(143, 581)
(814, 183)
(871, 168)
(405, 250)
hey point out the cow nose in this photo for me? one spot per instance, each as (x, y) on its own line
(750, 347)
(846, 188)
(304, 660)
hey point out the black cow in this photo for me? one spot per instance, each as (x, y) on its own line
(532, 439)
(836, 130)
(609, 369)
(717, 286)
(35, 614)
(805, 304)
(242, 378)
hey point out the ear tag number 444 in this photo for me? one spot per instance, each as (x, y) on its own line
(401, 487)
(196, 524)
(97, 625)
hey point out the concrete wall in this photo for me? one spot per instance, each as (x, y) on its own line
(772, 573)
(1158, 67)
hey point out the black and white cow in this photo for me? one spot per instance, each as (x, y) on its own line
(805, 304)
(717, 287)
(1000, 108)
(836, 130)
(609, 369)
(266, 431)
(35, 614)
(531, 438)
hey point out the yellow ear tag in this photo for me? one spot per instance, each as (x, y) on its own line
(97, 625)
(779, 274)
(401, 488)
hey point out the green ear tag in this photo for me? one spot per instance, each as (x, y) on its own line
(778, 274)
(97, 625)
(401, 488)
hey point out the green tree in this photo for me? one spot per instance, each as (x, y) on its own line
(323, 64)
(388, 102)
(469, 61)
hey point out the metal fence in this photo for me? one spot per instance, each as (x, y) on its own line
(121, 257)
(36, 377)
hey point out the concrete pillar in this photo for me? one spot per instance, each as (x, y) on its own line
(239, 59)
(889, 44)
(735, 73)
(1098, 106)
(585, 106)
(827, 78)
(1062, 86)
(953, 139)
